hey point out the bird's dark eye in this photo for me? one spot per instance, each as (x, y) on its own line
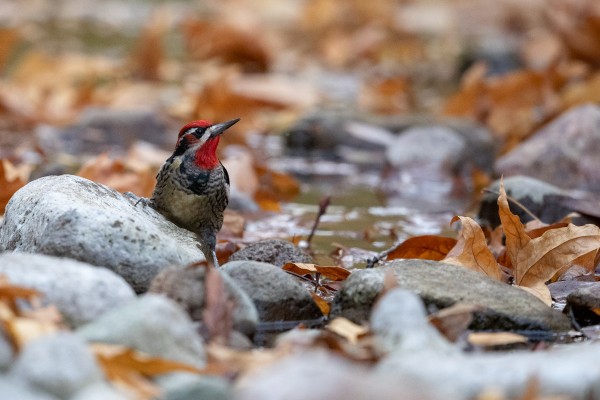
(197, 132)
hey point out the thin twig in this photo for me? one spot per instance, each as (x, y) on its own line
(323, 204)
(516, 202)
(372, 261)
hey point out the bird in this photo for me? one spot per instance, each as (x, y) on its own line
(192, 186)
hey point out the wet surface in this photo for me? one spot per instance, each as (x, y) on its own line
(361, 215)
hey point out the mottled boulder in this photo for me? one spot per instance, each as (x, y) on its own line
(69, 216)
(277, 295)
(441, 285)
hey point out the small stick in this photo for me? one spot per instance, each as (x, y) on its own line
(516, 202)
(323, 204)
(372, 261)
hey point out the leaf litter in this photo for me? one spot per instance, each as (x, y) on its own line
(45, 88)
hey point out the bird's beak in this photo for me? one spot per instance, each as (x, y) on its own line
(217, 129)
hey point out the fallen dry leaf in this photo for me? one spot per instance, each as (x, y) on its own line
(130, 369)
(536, 261)
(333, 273)
(323, 305)
(347, 329)
(23, 324)
(487, 339)
(426, 247)
(471, 250)
(23, 328)
(10, 294)
(9, 183)
(454, 320)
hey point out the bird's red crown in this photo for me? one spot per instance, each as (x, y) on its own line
(202, 123)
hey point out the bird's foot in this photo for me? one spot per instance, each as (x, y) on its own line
(135, 199)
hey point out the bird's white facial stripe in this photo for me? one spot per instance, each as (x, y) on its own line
(197, 131)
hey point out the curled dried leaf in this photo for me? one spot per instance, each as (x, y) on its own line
(471, 250)
(426, 247)
(347, 329)
(535, 261)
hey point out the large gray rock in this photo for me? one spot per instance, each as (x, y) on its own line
(442, 285)
(152, 324)
(69, 216)
(60, 364)
(276, 294)
(187, 287)
(80, 291)
(564, 152)
(568, 372)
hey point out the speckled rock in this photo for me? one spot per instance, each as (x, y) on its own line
(441, 285)
(276, 294)
(69, 216)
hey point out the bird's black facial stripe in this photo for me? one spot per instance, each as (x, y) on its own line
(198, 132)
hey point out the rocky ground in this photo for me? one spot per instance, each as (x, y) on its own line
(364, 130)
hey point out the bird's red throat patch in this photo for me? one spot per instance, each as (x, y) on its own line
(206, 155)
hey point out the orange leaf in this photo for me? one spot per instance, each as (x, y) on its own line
(454, 320)
(131, 369)
(333, 273)
(426, 247)
(471, 250)
(347, 329)
(321, 303)
(9, 183)
(300, 268)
